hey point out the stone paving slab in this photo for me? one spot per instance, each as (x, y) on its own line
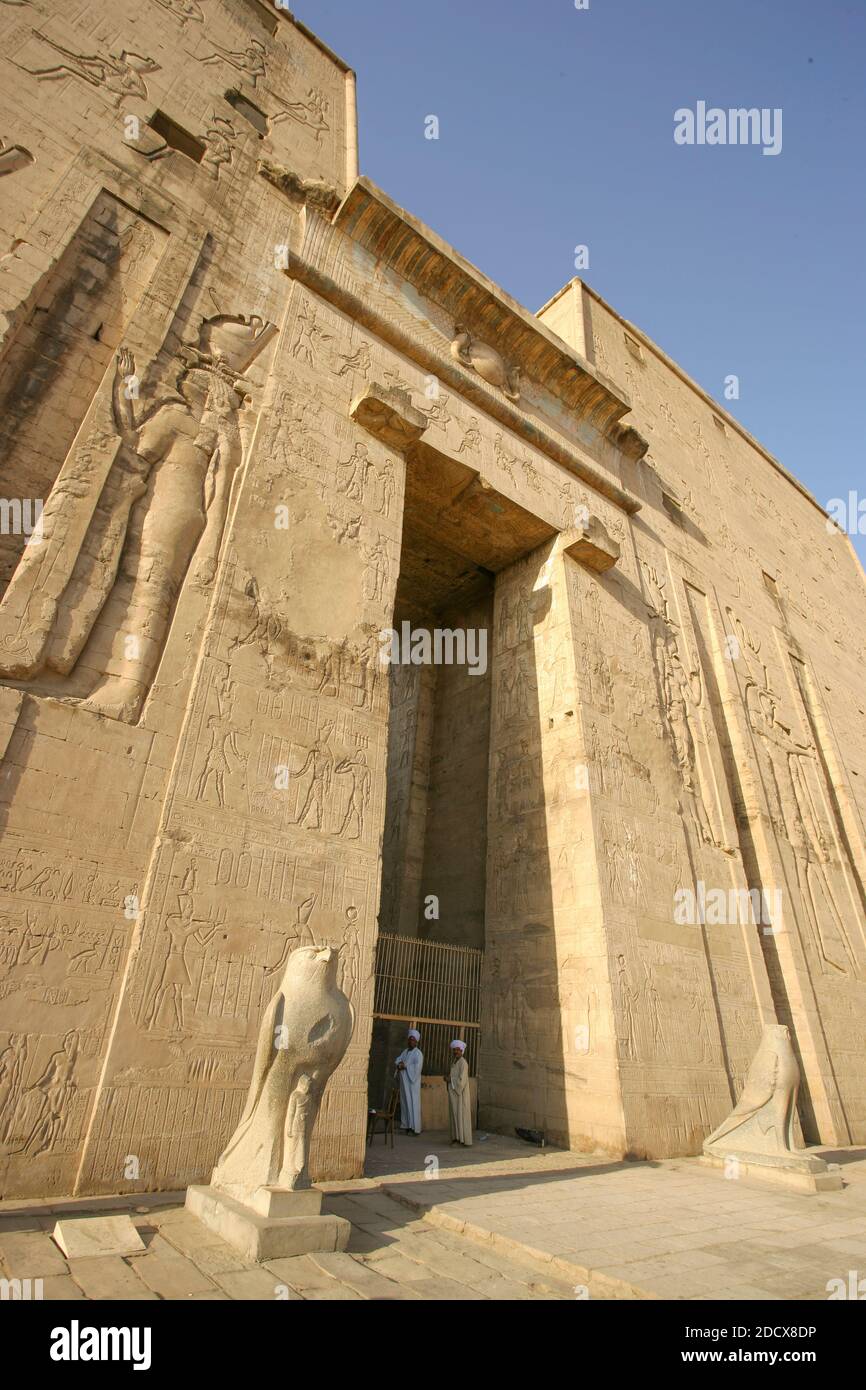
(299, 1272)
(108, 1277)
(260, 1284)
(170, 1278)
(60, 1288)
(30, 1255)
(367, 1281)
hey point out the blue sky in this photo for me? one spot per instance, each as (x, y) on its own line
(556, 128)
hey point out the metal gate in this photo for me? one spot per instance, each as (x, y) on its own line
(435, 987)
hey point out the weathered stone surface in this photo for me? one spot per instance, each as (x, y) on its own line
(30, 1255)
(171, 1278)
(301, 1272)
(253, 414)
(251, 1284)
(60, 1288)
(369, 1283)
(388, 413)
(592, 546)
(97, 1235)
(109, 1277)
(260, 1238)
(315, 191)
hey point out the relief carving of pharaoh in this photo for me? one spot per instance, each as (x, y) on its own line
(163, 503)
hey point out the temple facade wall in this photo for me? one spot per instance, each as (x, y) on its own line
(753, 607)
(264, 412)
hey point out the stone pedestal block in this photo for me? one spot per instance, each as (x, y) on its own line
(285, 1223)
(98, 1235)
(798, 1174)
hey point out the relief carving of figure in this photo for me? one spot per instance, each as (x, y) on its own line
(164, 501)
(13, 158)
(792, 784)
(121, 75)
(265, 627)
(376, 572)
(320, 765)
(309, 113)
(219, 137)
(681, 691)
(350, 955)
(222, 752)
(352, 475)
(471, 441)
(13, 1058)
(358, 361)
(653, 1008)
(360, 780)
(184, 10)
(629, 999)
(309, 336)
(300, 934)
(249, 62)
(174, 979)
(385, 487)
(497, 989)
(43, 1108)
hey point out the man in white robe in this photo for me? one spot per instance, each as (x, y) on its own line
(409, 1066)
(459, 1096)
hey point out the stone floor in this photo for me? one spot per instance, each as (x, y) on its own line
(502, 1220)
(393, 1254)
(672, 1229)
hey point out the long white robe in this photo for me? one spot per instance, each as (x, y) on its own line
(410, 1088)
(460, 1102)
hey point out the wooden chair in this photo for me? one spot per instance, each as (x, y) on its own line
(388, 1117)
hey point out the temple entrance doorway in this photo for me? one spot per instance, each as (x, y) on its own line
(458, 534)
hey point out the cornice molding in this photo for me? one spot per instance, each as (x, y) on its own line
(393, 237)
(397, 242)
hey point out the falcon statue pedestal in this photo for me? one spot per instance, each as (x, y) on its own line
(274, 1223)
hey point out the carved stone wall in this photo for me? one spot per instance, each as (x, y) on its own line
(264, 413)
(154, 871)
(750, 600)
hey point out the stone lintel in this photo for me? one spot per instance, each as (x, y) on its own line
(397, 239)
(309, 272)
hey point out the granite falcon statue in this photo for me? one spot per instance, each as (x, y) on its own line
(304, 1034)
(762, 1121)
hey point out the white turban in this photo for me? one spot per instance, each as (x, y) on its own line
(459, 1043)
(413, 1033)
